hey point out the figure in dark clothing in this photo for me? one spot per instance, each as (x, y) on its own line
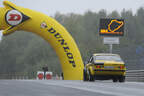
(45, 69)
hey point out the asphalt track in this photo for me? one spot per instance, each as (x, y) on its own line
(69, 88)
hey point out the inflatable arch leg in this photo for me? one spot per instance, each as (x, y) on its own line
(14, 18)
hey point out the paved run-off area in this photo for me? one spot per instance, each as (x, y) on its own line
(69, 88)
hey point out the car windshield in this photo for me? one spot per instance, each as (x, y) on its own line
(108, 58)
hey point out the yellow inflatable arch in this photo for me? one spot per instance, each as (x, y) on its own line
(14, 18)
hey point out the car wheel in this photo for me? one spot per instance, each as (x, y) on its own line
(85, 76)
(122, 79)
(115, 79)
(91, 77)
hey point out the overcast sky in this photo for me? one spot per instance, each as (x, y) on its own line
(50, 7)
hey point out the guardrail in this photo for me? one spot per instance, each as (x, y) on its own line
(17, 76)
(24, 76)
(131, 76)
(135, 75)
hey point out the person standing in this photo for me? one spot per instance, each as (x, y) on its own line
(45, 69)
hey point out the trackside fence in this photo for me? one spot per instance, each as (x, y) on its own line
(131, 76)
(24, 76)
(135, 75)
(17, 76)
